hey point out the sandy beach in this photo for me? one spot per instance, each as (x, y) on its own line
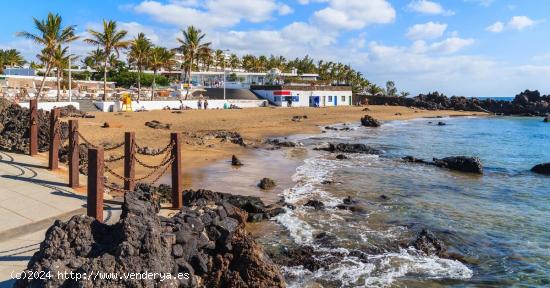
(254, 125)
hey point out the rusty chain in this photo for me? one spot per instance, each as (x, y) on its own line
(123, 178)
(90, 144)
(114, 188)
(161, 164)
(114, 159)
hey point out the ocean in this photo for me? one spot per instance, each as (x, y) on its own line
(497, 221)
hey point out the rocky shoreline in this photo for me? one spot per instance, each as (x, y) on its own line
(203, 245)
(527, 103)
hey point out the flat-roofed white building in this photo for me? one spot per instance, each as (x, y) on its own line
(305, 96)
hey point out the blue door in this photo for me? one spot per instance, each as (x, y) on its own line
(314, 101)
(335, 100)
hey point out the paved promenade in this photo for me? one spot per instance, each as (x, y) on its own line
(31, 199)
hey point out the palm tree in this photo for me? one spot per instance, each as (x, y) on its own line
(51, 34)
(111, 41)
(375, 90)
(159, 58)
(139, 56)
(220, 59)
(60, 61)
(234, 61)
(94, 60)
(11, 57)
(192, 44)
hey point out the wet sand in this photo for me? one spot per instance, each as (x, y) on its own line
(255, 125)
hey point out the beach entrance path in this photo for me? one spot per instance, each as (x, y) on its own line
(31, 199)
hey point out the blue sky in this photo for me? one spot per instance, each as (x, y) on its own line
(459, 47)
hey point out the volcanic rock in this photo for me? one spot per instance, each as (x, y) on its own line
(318, 205)
(236, 161)
(369, 121)
(349, 148)
(219, 253)
(461, 163)
(267, 184)
(542, 169)
(157, 125)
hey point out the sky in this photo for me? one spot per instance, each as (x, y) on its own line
(457, 47)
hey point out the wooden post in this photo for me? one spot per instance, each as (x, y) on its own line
(55, 139)
(74, 154)
(129, 161)
(95, 183)
(177, 184)
(33, 127)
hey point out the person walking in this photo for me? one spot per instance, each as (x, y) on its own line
(205, 104)
(199, 104)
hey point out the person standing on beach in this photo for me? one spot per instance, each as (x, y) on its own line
(199, 104)
(205, 104)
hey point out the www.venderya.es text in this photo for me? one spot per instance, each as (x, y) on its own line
(98, 275)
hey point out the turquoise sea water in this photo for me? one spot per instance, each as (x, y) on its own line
(498, 221)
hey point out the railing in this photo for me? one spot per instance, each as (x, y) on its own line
(98, 165)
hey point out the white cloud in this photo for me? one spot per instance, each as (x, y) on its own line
(518, 23)
(485, 3)
(497, 27)
(211, 14)
(285, 9)
(450, 74)
(430, 30)
(428, 7)
(354, 14)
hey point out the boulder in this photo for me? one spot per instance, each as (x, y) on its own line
(236, 161)
(369, 121)
(542, 169)
(318, 205)
(341, 157)
(349, 148)
(267, 184)
(427, 242)
(461, 163)
(547, 119)
(157, 125)
(217, 253)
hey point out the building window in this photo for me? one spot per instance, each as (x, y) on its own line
(344, 99)
(329, 98)
(277, 99)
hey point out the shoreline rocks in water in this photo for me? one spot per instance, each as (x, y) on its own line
(236, 161)
(543, 169)
(348, 148)
(369, 121)
(267, 184)
(457, 163)
(527, 103)
(205, 239)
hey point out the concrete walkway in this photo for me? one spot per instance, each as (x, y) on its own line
(31, 199)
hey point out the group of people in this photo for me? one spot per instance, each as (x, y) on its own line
(202, 102)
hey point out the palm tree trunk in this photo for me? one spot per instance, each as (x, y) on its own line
(153, 86)
(58, 85)
(105, 80)
(43, 81)
(189, 77)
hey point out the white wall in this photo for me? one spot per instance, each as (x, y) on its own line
(159, 105)
(305, 95)
(51, 105)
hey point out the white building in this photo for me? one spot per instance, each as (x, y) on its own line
(305, 96)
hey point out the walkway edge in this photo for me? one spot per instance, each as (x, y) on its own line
(38, 225)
